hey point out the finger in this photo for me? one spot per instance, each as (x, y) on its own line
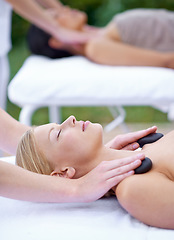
(132, 146)
(123, 161)
(117, 179)
(124, 169)
(134, 136)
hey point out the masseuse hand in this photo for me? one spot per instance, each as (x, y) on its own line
(72, 37)
(106, 175)
(129, 141)
(67, 35)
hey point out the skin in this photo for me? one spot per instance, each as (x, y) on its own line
(21, 184)
(35, 12)
(149, 197)
(106, 47)
(155, 189)
(10, 132)
(73, 148)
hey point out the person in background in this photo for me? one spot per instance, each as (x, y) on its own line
(140, 37)
(37, 13)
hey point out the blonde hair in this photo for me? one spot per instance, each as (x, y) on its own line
(30, 157)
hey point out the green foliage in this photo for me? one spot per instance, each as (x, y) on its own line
(102, 115)
(109, 8)
(128, 4)
(19, 28)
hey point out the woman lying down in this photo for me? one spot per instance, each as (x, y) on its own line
(74, 148)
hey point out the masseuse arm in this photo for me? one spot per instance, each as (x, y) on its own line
(35, 13)
(54, 4)
(10, 132)
(129, 141)
(18, 183)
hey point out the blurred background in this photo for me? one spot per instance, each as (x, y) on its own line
(99, 13)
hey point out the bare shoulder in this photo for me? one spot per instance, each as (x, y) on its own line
(148, 197)
(111, 32)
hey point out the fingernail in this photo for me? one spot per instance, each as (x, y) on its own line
(140, 155)
(130, 172)
(137, 161)
(152, 127)
(135, 146)
(149, 128)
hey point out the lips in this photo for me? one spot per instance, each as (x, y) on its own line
(85, 124)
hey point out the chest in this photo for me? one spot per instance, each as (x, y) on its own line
(162, 154)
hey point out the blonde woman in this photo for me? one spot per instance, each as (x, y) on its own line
(140, 37)
(19, 183)
(74, 148)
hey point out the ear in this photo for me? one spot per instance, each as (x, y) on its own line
(54, 43)
(67, 172)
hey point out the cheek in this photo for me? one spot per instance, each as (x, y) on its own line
(96, 138)
(80, 145)
(75, 146)
(70, 142)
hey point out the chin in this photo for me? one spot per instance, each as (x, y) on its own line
(99, 126)
(98, 129)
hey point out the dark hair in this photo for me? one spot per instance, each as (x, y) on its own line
(38, 44)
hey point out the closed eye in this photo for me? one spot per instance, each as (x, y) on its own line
(58, 134)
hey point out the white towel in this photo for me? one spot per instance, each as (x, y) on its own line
(100, 220)
(77, 81)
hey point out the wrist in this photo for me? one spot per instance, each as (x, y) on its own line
(77, 191)
(72, 191)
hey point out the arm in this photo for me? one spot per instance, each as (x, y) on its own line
(109, 52)
(129, 141)
(10, 132)
(33, 12)
(149, 198)
(55, 4)
(17, 183)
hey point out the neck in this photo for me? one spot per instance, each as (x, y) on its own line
(108, 154)
(103, 154)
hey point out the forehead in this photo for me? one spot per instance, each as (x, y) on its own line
(43, 131)
(44, 127)
(41, 134)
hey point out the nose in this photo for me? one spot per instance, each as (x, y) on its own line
(69, 122)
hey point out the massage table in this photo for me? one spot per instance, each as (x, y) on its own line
(100, 220)
(76, 81)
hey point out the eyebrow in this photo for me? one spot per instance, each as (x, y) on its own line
(50, 132)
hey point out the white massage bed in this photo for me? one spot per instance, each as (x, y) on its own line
(100, 220)
(75, 81)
